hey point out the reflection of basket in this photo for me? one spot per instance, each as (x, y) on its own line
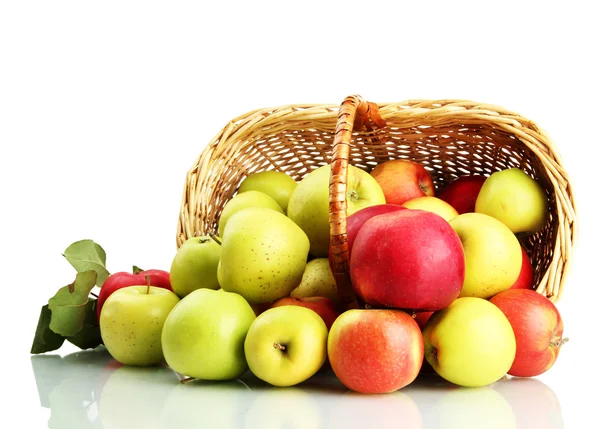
(450, 138)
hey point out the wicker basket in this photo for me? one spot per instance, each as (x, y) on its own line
(449, 137)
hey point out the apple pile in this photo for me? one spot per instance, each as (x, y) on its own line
(443, 283)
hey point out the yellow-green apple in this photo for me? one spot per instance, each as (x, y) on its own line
(158, 278)
(492, 252)
(525, 279)
(407, 259)
(194, 265)
(402, 180)
(131, 323)
(355, 221)
(317, 280)
(538, 329)
(514, 198)
(286, 345)
(462, 192)
(309, 203)
(263, 255)
(375, 351)
(245, 200)
(275, 184)
(432, 204)
(323, 306)
(203, 336)
(470, 343)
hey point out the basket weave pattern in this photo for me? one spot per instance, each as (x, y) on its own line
(449, 137)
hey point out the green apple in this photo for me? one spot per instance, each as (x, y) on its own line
(286, 345)
(493, 254)
(195, 265)
(242, 201)
(514, 198)
(317, 280)
(203, 336)
(131, 322)
(275, 184)
(470, 343)
(309, 203)
(263, 255)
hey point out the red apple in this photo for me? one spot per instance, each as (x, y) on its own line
(422, 317)
(121, 279)
(538, 329)
(375, 351)
(356, 220)
(402, 180)
(323, 306)
(408, 259)
(525, 279)
(462, 192)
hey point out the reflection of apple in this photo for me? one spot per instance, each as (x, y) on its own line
(275, 184)
(402, 180)
(525, 279)
(462, 192)
(538, 329)
(492, 254)
(375, 351)
(534, 404)
(309, 203)
(470, 343)
(203, 336)
(408, 259)
(286, 345)
(209, 404)
(433, 205)
(283, 407)
(374, 411)
(323, 306)
(134, 396)
(131, 323)
(514, 198)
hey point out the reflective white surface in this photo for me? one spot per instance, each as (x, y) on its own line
(88, 389)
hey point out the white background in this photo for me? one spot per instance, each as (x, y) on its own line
(105, 105)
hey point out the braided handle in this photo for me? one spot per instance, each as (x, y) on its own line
(354, 114)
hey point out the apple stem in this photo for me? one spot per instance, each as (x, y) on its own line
(214, 237)
(186, 380)
(147, 284)
(559, 343)
(94, 295)
(279, 346)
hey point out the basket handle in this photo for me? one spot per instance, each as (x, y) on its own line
(354, 114)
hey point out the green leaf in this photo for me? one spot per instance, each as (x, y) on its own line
(86, 255)
(45, 340)
(68, 305)
(88, 336)
(136, 269)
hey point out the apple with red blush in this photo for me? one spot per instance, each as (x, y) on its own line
(538, 329)
(525, 279)
(402, 180)
(323, 306)
(137, 277)
(462, 192)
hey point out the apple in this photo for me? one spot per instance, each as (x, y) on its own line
(514, 198)
(492, 253)
(538, 329)
(432, 204)
(470, 343)
(245, 200)
(375, 351)
(286, 345)
(194, 265)
(203, 336)
(323, 306)
(462, 192)
(407, 259)
(116, 281)
(525, 279)
(275, 184)
(131, 323)
(309, 203)
(402, 180)
(317, 280)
